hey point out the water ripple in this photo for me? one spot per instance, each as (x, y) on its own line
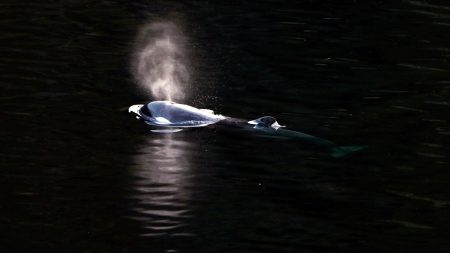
(162, 183)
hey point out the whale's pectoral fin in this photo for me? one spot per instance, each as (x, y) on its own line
(167, 131)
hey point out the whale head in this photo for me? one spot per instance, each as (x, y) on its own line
(266, 121)
(171, 114)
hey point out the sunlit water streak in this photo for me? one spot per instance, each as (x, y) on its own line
(162, 168)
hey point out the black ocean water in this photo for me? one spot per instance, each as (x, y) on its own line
(79, 174)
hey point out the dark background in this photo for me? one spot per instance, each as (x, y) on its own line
(78, 174)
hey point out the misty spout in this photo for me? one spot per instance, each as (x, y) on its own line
(159, 61)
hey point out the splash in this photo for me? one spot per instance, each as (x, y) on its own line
(159, 61)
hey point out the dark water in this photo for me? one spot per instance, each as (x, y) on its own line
(79, 174)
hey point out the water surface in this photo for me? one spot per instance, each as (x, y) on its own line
(79, 174)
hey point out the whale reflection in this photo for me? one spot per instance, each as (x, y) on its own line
(162, 186)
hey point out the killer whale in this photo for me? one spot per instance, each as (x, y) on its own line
(169, 117)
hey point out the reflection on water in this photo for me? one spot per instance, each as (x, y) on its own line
(371, 72)
(162, 170)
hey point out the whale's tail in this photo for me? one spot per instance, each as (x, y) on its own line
(345, 150)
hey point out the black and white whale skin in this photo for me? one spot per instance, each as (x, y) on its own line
(169, 117)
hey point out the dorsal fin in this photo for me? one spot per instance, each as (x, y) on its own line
(266, 121)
